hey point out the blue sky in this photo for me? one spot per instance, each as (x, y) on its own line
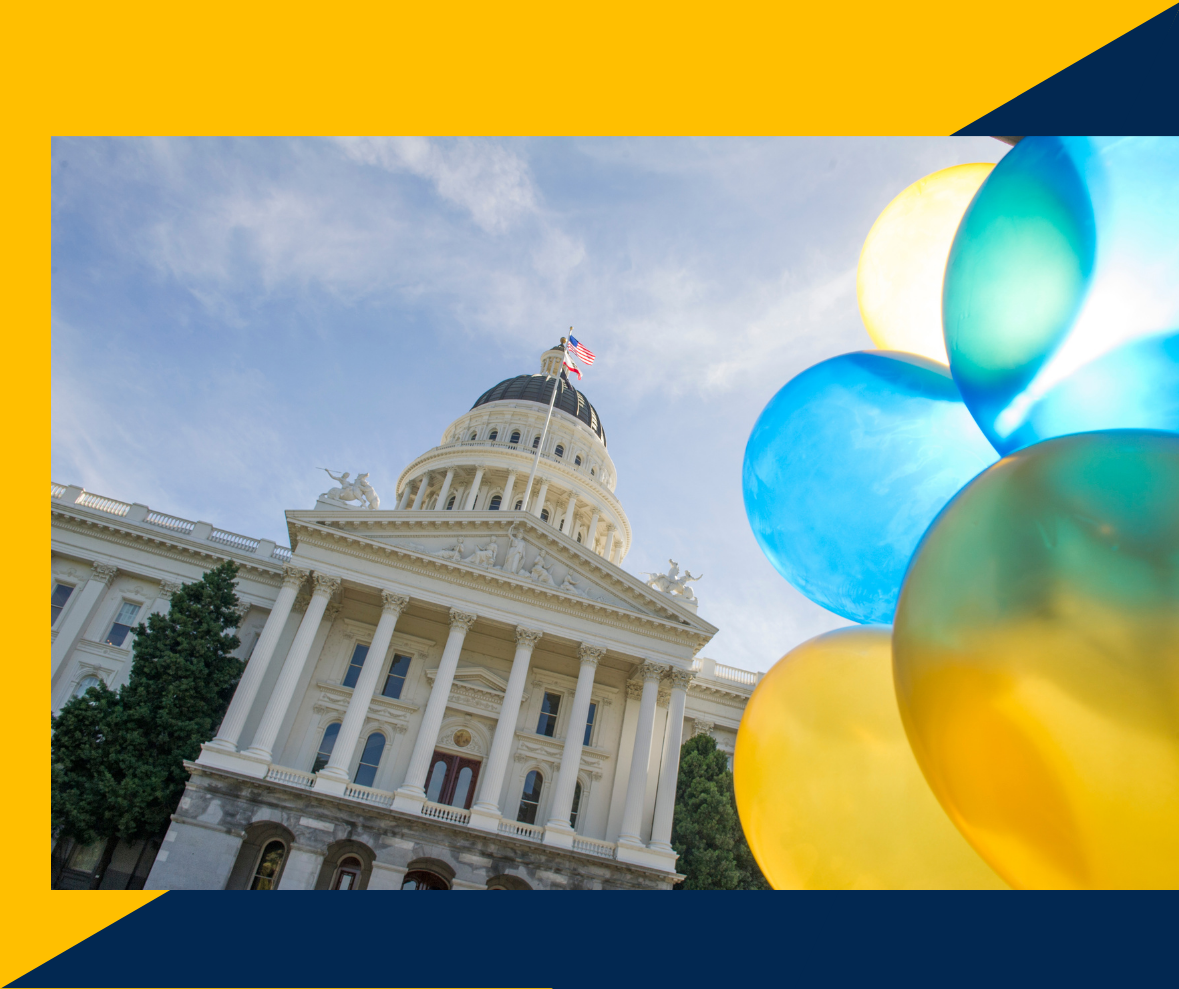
(229, 314)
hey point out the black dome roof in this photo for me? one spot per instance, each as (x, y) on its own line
(538, 388)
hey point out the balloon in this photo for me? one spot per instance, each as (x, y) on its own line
(899, 280)
(1036, 654)
(846, 467)
(829, 793)
(1066, 259)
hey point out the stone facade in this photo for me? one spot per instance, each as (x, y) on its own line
(449, 689)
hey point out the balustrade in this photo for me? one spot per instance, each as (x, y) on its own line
(591, 846)
(368, 795)
(295, 777)
(441, 812)
(518, 829)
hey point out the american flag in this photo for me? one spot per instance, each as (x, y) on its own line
(581, 351)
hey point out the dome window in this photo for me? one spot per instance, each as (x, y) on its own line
(519, 504)
(544, 514)
(493, 435)
(577, 461)
(536, 443)
(515, 437)
(560, 451)
(592, 472)
(450, 504)
(474, 435)
(579, 537)
(495, 503)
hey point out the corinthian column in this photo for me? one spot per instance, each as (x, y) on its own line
(292, 669)
(670, 770)
(636, 787)
(412, 793)
(505, 501)
(558, 831)
(422, 485)
(229, 734)
(485, 814)
(334, 776)
(475, 485)
(441, 505)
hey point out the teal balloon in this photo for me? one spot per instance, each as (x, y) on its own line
(1061, 297)
(848, 465)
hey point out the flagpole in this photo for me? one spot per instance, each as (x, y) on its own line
(544, 434)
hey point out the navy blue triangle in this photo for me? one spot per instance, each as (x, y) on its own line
(1130, 86)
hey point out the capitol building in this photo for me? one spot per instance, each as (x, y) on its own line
(449, 685)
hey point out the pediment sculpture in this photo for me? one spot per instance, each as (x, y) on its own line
(673, 582)
(347, 491)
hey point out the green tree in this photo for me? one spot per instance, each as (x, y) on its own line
(706, 831)
(118, 758)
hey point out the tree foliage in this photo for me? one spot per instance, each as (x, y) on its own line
(706, 831)
(118, 757)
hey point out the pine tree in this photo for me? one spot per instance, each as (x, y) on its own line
(118, 758)
(706, 831)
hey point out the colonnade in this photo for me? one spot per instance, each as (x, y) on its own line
(486, 812)
(413, 498)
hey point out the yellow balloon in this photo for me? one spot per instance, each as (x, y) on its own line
(829, 793)
(899, 281)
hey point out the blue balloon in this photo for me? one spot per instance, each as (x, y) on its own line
(846, 468)
(1062, 290)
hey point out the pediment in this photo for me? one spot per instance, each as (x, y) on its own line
(510, 548)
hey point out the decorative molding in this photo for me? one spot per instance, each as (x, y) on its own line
(590, 655)
(702, 727)
(170, 587)
(326, 583)
(634, 689)
(462, 619)
(679, 679)
(393, 602)
(650, 671)
(293, 576)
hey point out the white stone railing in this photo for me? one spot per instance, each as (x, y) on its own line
(244, 543)
(441, 812)
(184, 527)
(295, 777)
(381, 798)
(170, 522)
(109, 505)
(592, 846)
(747, 677)
(519, 829)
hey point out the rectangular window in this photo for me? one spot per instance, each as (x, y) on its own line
(547, 725)
(589, 724)
(122, 625)
(61, 594)
(355, 665)
(398, 671)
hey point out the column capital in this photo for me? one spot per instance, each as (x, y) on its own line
(103, 571)
(528, 636)
(701, 727)
(170, 587)
(326, 584)
(590, 655)
(679, 679)
(393, 602)
(634, 688)
(651, 672)
(294, 576)
(461, 619)
(242, 606)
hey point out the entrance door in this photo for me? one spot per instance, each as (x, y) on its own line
(452, 780)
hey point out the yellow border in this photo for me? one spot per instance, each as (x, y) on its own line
(608, 67)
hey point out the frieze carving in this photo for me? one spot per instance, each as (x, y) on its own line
(528, 636)
(103, 571)
(461, 619)
(294, 576)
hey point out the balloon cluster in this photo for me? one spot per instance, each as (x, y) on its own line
(1030, 678)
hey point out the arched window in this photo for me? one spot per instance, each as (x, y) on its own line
(493, 435)
(420, 879)
(86, 684)
(462, 787)
(536, 443)
(544, 514)
(437, 778)
(577, 461)
(519, 504)
(347, 873)
(579, 537)
(495, 503)
(560, 451)
(592, 472)
(576, 805)
(450, 504)
(370, 758)
(326, 746)
(530, 798)
(269, 866)
(474, 435)
(515, 437)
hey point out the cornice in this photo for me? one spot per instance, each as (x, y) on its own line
(265, 571)
(342, 535)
